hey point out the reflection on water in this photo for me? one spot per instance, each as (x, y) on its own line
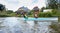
(13, 25)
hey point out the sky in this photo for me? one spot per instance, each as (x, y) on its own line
(15, 4)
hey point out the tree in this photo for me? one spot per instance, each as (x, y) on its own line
(53, 4)
(2, 7)
(42, 9)
(9, 11)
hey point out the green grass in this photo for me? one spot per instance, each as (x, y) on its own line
(59, 19)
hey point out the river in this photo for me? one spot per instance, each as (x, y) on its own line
(16, 25)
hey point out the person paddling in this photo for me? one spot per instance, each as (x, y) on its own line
(36, 11)
(22, 12)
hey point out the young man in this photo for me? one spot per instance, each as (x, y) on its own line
(36, 11)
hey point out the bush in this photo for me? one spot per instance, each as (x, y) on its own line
(54, 11)
(4, 16)
(47, 14)
(56, 27)
(53, 26)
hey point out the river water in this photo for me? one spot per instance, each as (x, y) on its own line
(16, 25)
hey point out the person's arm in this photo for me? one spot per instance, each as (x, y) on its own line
(35, 15)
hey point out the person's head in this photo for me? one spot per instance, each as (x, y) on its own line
(35, 9)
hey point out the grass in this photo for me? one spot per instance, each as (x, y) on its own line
(59, 18)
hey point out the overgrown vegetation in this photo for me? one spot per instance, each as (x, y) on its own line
(55, 27)
(41, 14)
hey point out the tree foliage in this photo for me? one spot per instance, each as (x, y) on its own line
(53, 4)
(9, 11)
(42, 9)
(2, 7)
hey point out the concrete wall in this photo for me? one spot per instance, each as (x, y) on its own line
(47, 10)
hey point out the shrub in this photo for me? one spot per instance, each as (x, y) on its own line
(4, 16)
(47, 14)
(54, 11)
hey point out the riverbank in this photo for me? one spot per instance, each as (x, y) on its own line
(54, 13)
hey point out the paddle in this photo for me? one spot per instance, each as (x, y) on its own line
(26, 17)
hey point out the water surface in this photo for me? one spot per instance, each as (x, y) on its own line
(17, 25)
